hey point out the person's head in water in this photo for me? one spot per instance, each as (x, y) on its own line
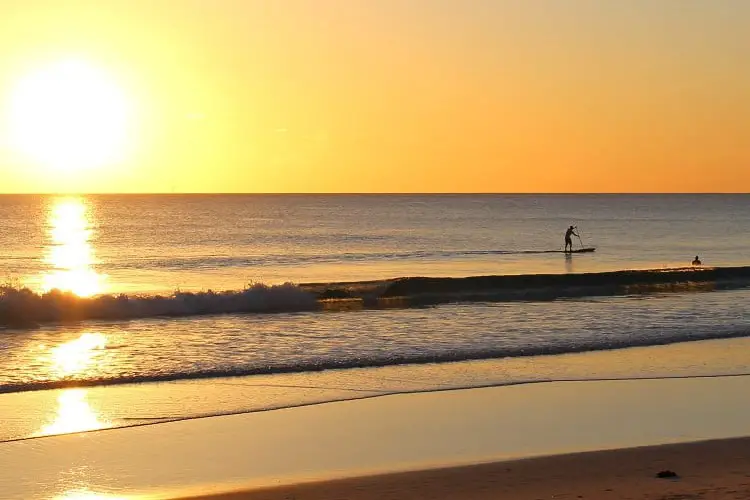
(696, 261)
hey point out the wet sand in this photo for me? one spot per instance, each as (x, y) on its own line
(717, 469)
(444, 434)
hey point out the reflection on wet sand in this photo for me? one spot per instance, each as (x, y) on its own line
(70, 253)
(74, 414)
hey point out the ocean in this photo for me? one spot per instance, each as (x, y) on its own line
(138, 309)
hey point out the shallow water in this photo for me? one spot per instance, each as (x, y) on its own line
(154, 244)
(44, 412)
(222, 345)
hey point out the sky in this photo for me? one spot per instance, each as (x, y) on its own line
(375, 96)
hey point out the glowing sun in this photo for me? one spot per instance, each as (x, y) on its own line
(69, 115)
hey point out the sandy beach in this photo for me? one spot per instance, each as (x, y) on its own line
(367, 449)
(718, 469)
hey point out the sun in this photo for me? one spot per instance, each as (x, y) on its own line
(69, 115)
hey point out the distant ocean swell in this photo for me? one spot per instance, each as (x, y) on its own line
(213, 261)
(21, 308)
(312, 364)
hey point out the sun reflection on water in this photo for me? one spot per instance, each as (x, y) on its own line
(75, 356)
(84, 495)
(87, 495)
(70, 253)
(74, 414)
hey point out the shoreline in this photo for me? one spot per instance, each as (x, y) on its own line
(166, 420)
(705, 469)
(25, 414)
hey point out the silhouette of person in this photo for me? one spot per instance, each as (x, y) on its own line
(568, 240)
(696, 261)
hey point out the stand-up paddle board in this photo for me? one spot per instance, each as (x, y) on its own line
(579, 250)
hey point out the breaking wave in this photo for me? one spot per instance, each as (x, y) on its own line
(21, 307)
(394, 359)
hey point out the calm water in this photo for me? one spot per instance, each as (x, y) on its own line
(156, 244)
(160, 243)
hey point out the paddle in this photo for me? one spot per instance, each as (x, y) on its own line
(580, 241)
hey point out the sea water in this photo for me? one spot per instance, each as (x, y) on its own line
(159, 265)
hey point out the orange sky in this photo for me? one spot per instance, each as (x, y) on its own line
(399, 95)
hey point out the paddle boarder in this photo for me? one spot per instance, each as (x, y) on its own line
(697, 261)
(568, 240)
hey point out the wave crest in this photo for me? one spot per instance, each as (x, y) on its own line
(21, 307)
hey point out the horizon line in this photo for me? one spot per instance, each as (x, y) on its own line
(379, 193)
